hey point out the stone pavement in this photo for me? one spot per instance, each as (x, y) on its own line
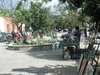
(29, 62)
(22, 62)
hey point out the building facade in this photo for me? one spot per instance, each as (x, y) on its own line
(6, 25)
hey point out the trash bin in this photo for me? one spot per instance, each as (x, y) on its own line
(9, 38)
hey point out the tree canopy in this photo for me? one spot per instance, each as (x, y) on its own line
(39, 17)
(88, 7)
(4, 12)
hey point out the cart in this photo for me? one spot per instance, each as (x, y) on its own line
(71, 45)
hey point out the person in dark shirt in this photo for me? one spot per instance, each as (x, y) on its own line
(77, 33)
(13, 34)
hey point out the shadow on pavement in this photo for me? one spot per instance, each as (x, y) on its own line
(49, 69)
(48, 55)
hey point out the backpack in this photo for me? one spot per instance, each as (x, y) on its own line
(74, 55)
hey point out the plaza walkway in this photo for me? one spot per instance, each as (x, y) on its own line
(29, 62)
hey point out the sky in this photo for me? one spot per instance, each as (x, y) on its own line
(49, 4)
(53, 2)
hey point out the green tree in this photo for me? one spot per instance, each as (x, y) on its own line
(27, 19)
(72, 18)
(4, 12)
(89, 7)
(83, 19)
(67, 19)
(39, 17)
(18, 18)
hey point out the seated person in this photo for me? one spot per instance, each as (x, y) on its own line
(65, 37)
(76, 34)
(74, 37)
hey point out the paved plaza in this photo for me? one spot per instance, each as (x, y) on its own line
(30, 62)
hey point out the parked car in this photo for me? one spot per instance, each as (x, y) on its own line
(3, 36)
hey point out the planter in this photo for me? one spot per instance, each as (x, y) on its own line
(50, 46)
